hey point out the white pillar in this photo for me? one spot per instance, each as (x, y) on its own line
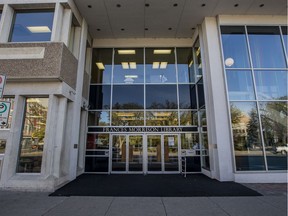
(57, 23)
(5, 23)
(78, 102)
(66, 26)
(216, 104)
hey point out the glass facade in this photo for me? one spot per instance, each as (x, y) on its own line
(35, 25)
(256, 75)
(33, 135)
(146, 87)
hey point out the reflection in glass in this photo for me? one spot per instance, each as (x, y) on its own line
(162, 118)
(128, 97)
(161, 97)
(135, 153)
(240, 86)
(11, 101)
(102, 66)
(285, 37)
(203, 120)
(187, 96)
(171, 153)
(266, 47)
(32, 26)
(119, 153)
(160, 67)
(2, 146)
(188, 118)
(189, 140)
(271, 85)
(154, 152)
(128, 118)
(198, 63)
(129, 68)
(201, 96)
(205, 151)
(274, 124)
(33, 135)
(234, 47)
(97, 141)
(98, 118)
(246, 136)
(185, 65)
(99, 97)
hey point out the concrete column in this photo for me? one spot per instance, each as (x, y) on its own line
(57, 23)
(216, 103)
(13, 142)
(5, 23)
(82, 142)
(66, 26)
(78, 102)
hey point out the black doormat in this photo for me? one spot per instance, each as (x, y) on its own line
(152, 186)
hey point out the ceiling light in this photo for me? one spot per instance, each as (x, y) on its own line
(162, 114)
(229, 62)
(236, 5)
(126, 52)
(175, 5)
(261, 5)
(118, 5)
(131, 76)
(155, 65)
(169, 29)
(89, 6)
(123, 114)
(147, 5)
(132, 65)
(100, 65)
(162, 51)
(125, 65)
(163, 65)
(203, 5)
(39, 29)
(191, 62)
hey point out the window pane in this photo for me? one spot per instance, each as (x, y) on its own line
(160, 68)
(247, 143)
(100, 96)
(161, 97)
(33, 136)
(11, 100)
(205, 151)
(185, 65)
(198, 59)
(234, 47)
(97, 141)
(102, 66)
(98, 118)
(189, 140)
(189, 118)
(285, 37)
(203, 118)
(271, 85)
(2, 146)
(128, 97)
(201, 96)
(240, 85)
(130, 118)
(274, 124)
(96, 164)
(266, 47)
(162, 118)
(128, 68)
(32, 26)
(187, 97)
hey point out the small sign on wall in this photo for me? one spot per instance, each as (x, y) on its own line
(2, 84)
(4, 112)
(171, 141)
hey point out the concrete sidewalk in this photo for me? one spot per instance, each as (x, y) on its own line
(273, 203)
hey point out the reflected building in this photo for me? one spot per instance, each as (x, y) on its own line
(92, 92)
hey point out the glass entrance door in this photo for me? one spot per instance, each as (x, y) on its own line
(127, 153)
(154, 153)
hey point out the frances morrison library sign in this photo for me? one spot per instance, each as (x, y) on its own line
(4, 105)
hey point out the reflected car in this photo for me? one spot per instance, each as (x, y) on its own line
(282, 149)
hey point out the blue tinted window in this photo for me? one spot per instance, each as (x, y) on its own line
(187, 96)
(271, 85)
(102, 66)
(185, 65)
(266, 47)
(32, 26)
(100, 96)
(235, 47)
(285, 37)
(240, 85)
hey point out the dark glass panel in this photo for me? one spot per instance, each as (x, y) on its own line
(32, 26)
(128, 97)
(96, 164)
(98, 118)
(161, 118)
(274, 124)
(130, 118)
(185, 65)
(198, 59)
(99, 97)
(97, 141)
(187, 96)
(160, 68)
(246, 135)
(128, 68)
(205, 151)
(203, 120)
(193, 164)
(2, 146)
(189, 118)
(240, 85)
(102, 66)
(271, 85)
(234, 47)
(201, 96)
(266, 47)
(285, 37)
(161, 97)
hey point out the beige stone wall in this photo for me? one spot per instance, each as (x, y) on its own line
(57, 63)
